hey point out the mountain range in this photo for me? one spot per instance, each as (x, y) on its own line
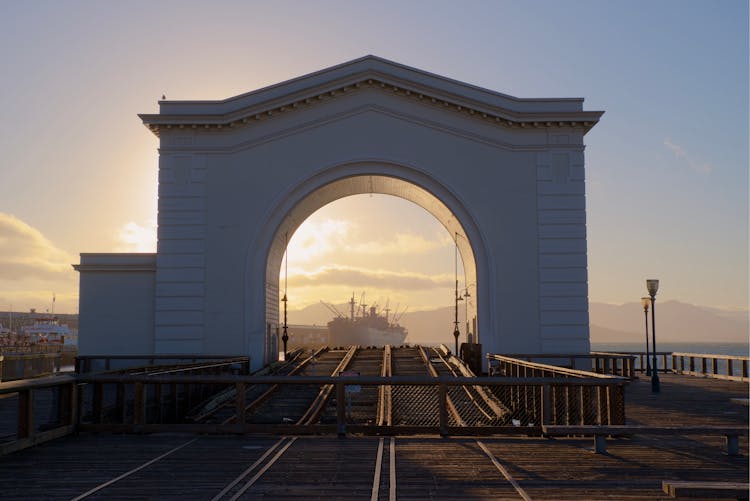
(675, 322)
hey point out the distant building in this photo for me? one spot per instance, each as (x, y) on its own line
(238, 176)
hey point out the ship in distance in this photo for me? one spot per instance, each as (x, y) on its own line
(364, 326)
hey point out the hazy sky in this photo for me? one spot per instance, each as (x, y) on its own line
(667, 167)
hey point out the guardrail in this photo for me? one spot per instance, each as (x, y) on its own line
(36, 410)
(555, 401)
(709, 365)
(52, 407)
(85, 364)
(600, 362)
(730, 367)
(14, 366)
(37, 419)
(571, 402)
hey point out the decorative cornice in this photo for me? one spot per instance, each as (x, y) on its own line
(583, 120)
(110, 268)
(119, 262)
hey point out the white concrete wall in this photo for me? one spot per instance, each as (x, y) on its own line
(528, 211)
(116, 313)
(232, 172)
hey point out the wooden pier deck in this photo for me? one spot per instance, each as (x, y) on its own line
(171, 466)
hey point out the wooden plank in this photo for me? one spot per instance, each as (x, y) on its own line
(714, 490)
(38, 438)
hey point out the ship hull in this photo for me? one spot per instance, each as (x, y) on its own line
(364, 336)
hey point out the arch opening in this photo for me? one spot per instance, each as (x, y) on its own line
(448, 211)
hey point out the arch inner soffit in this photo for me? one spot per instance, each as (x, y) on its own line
(363, 184)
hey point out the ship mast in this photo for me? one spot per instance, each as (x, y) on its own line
(351, 304)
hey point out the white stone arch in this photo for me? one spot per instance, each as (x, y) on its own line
(330, 183)
(231, 172)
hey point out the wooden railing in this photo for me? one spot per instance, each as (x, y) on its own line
(602, 402)
(731, 367)
(159, 403)
(702, 364)
(558, 401)
(15, 366)
(37, 420)
(615, 364)
(85, 364)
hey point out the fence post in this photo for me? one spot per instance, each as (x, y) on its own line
(730, 368)
(443, 409)
(340, 408)
(546, 404)
(609, 404)
(139, 407)
(97, 403)
(25, 413)
(240, 402)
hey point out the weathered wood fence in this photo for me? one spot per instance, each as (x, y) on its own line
(731, 367)
(570, 397)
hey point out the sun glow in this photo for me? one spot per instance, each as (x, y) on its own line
(384, 246)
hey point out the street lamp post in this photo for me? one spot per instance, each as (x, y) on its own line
(466, 297)
(285, 335)
(653, 286)
(456, 332)
(645, 301)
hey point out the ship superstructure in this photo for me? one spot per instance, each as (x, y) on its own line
(364, 326)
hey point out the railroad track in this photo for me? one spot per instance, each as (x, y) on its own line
(362, 405)
(384, 405)
(220, 408)
(469, 405)
(412, 405)
(300, 403)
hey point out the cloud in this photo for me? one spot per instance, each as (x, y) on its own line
(25, 253)
(314, 239)
(680, 153)
(136, 238)
(402, 244)
(358, 278)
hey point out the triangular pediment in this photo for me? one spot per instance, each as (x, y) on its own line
(372, 72)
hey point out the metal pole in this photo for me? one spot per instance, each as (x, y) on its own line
(285, 335)
(648, 361)
(655, 368)
(456, 332)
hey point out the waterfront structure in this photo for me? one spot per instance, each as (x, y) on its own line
(238, 176)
